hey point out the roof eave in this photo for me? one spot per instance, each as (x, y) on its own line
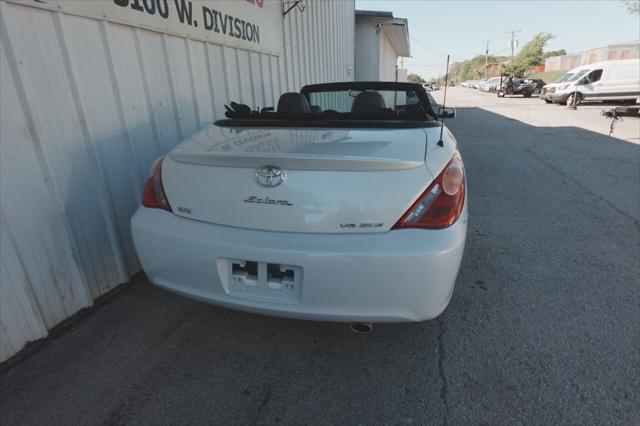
(397, 31)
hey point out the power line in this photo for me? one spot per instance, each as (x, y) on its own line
(434, 50)
(485, 53)
(421, 65)
(500, 51)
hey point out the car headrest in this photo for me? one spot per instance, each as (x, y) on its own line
(368, 102)
(293, 103)
(315, 109)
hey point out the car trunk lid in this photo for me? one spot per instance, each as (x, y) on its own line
(332, 180)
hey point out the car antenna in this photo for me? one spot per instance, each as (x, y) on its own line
(444, 102)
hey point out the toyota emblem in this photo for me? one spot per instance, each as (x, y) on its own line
(269, 176)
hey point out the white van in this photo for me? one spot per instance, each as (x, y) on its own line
(602, 81)
(549, 89)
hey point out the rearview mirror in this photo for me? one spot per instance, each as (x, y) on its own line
(446, 112)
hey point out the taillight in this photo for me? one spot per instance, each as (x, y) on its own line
(441, 204)
(153, 195)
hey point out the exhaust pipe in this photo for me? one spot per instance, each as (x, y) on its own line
(362, 327)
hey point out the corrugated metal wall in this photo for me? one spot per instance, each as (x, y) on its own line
(319, 43)
(86, 106)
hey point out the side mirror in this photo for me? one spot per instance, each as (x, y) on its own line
(446, 112)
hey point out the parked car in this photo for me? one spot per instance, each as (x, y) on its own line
(434, 86)
(493, 84)
(427, 87)
(473, 84)
(517, 86)
(343, 204)
(490, 84)
(537, 85)
(550, 88)
(602, 81)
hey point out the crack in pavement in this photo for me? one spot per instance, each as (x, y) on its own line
(544, 162)
(263, 403)
(265, 400)
(443, 377)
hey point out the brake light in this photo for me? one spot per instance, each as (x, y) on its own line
(153, 195)
(441, 204)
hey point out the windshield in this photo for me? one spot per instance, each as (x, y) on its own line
(577, 75)
(367, 101)
(565, 77)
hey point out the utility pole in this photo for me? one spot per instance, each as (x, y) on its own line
(513, 42)
(486, 60)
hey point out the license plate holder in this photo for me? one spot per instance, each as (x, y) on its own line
(266, 281)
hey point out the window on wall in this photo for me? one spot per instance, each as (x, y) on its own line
(593, 58)
(612, 55)
(626, 54)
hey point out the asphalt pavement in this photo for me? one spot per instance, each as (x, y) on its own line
(543, 327)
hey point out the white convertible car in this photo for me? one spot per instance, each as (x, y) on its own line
(345, 203)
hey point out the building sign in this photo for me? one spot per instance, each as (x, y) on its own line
(246, 24)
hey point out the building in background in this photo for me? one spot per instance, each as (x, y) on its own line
(94, 91)
(598, 54)
(380, 39)
(610, 53)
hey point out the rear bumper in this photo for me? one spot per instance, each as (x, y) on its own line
(397, 276)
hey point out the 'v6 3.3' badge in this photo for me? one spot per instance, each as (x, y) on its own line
(269, 176)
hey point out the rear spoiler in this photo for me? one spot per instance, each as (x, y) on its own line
(295, 161)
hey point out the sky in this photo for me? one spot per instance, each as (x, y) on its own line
(462, 28)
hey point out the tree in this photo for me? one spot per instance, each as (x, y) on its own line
(554, 53)
(471, 68)
(633, 6)
(530, 55)
(415, 78)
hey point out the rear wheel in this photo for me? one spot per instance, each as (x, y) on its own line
(526, 93)
(536, 91)
(570, 101)
(548, 101)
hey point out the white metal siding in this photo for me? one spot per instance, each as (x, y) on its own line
(319, 44)
(86, 107)
(388, 60)
(367, 49)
